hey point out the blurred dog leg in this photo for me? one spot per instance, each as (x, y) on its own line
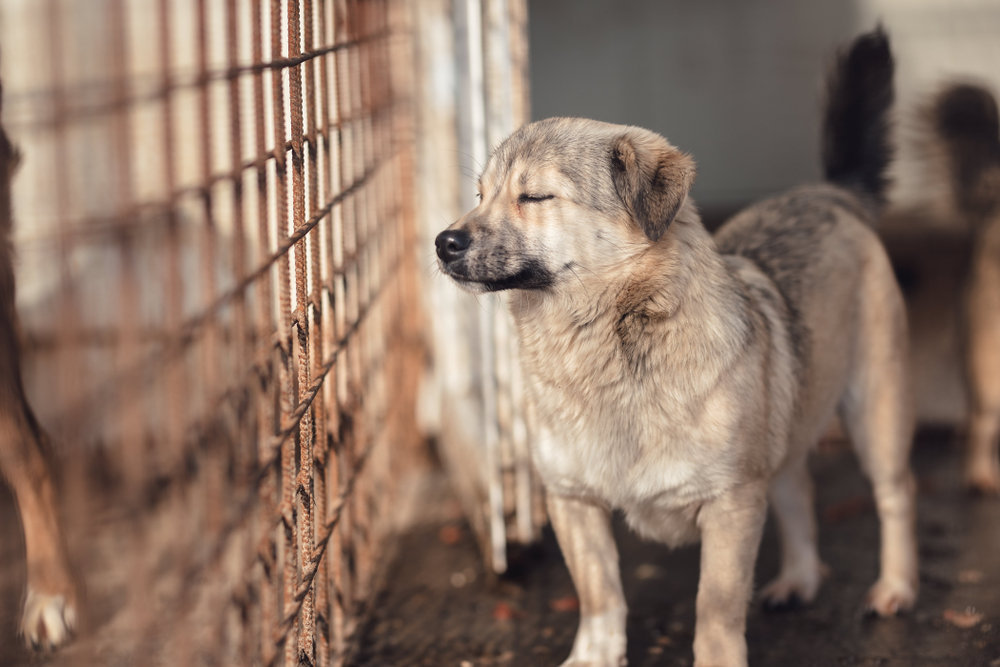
(964, 118)
(50, 607)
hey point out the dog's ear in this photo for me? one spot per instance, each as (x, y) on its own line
(652, 178)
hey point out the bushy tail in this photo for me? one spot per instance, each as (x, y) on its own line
(856, 144)
(965, 119)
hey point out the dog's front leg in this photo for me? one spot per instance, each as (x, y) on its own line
(584, 533)
(731, 527)
(50, 606)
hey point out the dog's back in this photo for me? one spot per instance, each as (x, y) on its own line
(783, 235)
(815, 242)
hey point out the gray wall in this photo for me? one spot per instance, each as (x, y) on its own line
(738, 83)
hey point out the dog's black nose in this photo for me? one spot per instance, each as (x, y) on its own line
(451, 244)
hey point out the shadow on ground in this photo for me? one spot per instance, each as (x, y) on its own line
(439, 608)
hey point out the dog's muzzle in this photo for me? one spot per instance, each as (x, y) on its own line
(451, 244)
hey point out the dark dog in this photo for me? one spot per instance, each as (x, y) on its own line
(50, 605)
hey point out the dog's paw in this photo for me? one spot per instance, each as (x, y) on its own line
(984, 479)
(794, 589)
(600, 641)
(889, 597)
(48, 621)
(571, 662)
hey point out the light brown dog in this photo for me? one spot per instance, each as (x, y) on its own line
(964, 122)
(50, 605)
(683, 378)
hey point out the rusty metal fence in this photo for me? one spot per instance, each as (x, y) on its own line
(215, 226)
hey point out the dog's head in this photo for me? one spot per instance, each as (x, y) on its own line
(566, 197)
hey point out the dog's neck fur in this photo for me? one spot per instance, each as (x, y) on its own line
(666, 286)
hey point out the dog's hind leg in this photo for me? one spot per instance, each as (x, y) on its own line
(584, 534)
(791, 497)
(877, 412)
(982, 462)
(965, 120)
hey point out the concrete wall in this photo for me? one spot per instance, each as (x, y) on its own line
(739, 84)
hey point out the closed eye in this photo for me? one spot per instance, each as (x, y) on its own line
(530, 199)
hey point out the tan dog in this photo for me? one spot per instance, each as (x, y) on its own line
(682, 379)
(50, 603)
(964, 121)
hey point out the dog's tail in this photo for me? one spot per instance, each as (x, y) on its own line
(964, 118)
(856, 143)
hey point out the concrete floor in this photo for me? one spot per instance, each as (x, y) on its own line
(440, 609)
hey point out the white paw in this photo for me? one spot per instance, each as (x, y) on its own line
(889, 597)
(794, 588)
(600, 641)
(573, 662)
(48, 620)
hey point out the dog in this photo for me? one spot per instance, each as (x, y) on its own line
(681, 378)
(963, 121)
(50, 606)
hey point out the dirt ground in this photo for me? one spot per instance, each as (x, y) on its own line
(439, 608)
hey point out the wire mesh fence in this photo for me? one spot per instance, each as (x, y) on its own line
(214, 222)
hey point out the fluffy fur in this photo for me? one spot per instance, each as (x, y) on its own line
(682, 378)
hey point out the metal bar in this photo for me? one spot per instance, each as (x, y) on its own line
(304, 495)
(240, 454)
(317, 306)
(326, 418)
(266, 419)
(341, 539)
(69, 388)
(356, 520)
(174, 373)
(211, 490)
(128, 297)
(287, 555)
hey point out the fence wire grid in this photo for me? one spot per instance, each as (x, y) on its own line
(214, 222)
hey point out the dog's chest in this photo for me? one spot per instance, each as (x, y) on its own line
(627, 442)
(662, 426)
